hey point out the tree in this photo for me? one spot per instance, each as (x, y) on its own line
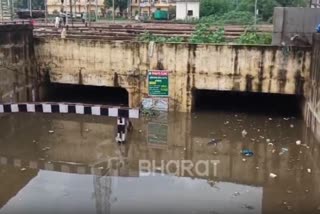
(121, 4)
(215, 7)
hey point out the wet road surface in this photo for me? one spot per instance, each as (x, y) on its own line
(61, 164)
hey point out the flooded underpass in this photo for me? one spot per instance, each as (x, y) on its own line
(71, 164)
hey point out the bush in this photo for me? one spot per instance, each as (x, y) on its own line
(232, 17)
(254, 38)
(148, 37)
(203, 34)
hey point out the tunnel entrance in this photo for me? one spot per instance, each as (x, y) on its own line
(87, 94)
(251, 102)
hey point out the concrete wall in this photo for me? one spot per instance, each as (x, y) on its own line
(312, 107)
(17, 63)
(183, 7)
(288, 22)
(267, 69)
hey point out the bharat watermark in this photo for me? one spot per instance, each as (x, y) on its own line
(201, 168)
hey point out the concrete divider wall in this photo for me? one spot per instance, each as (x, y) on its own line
(312, 107)
(268, 69)
(17, 63)
(291, 21)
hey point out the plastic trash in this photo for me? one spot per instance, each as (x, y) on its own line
(283, 150)
(51, 131)
(298, 142)
(244, 133)
(23, 169)
(214, 141)
(272, 175)
(247, 152)
(309, 170)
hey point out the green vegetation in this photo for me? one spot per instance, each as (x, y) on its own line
(232, 17)
(148, 37)
(254, 38)
(231, 9)
(203, 34)
(121, 4)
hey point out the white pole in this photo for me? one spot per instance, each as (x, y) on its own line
(113, 11)
(255, 14)
(30, 8)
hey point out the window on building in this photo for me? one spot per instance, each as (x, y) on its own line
(190, 12)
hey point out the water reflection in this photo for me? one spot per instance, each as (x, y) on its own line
(66, 171)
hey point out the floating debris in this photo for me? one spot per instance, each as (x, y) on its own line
(306, 190)
(236, 194)
(214, 141)
(298, 142)
(248, 207)
(23, 169)
(87, 130)
(270, 144)
(244, 160)
(140, 131)
(247, 152)
(268, 140)
(184, 148)
(261, 137)
(283, 150)
(51, 131)
(257, 167)
(226, 123)
(244, 133)
(273, 151)
(46, 148)
(286, 118)
(289, 191)
(272, 175)
(270, 118)
(309, 170)
(291, 126)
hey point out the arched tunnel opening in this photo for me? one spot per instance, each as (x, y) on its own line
(251, 102)
(86, 94)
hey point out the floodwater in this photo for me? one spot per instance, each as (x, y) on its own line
(61, 164)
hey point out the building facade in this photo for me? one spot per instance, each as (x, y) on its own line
(148, 7)
(78, 6)
(187, 9)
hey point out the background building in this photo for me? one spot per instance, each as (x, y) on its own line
(78, 6)
(187, 9)
(147, 7)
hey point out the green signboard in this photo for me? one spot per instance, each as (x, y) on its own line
(158, 83)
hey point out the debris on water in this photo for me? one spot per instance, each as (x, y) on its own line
(247, 152)
(257, 167)
(289, 191)
(270, 144)
(270, 118)
(244, 160)
(298, 142)
(140, 131)
(184, 148)
(309, 170)
(272, 175)
(51, 131)
(248, 207)
(258, 130)
(236, 194)
(34, 141)
(286, 118)
(261, 137)
(273, 151)
(306, 190)
(244, 133)
(224, 135)
(23, 169)
(226, 123)
(214, 141)
(87, 130)
(291, 126)
(283, 150)
(300, 152)
(268, 140)
(252, 139)
(46, 148)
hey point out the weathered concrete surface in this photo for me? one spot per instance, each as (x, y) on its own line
(267, 69)
(312, 107)
(17, 63)
(291, 21)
